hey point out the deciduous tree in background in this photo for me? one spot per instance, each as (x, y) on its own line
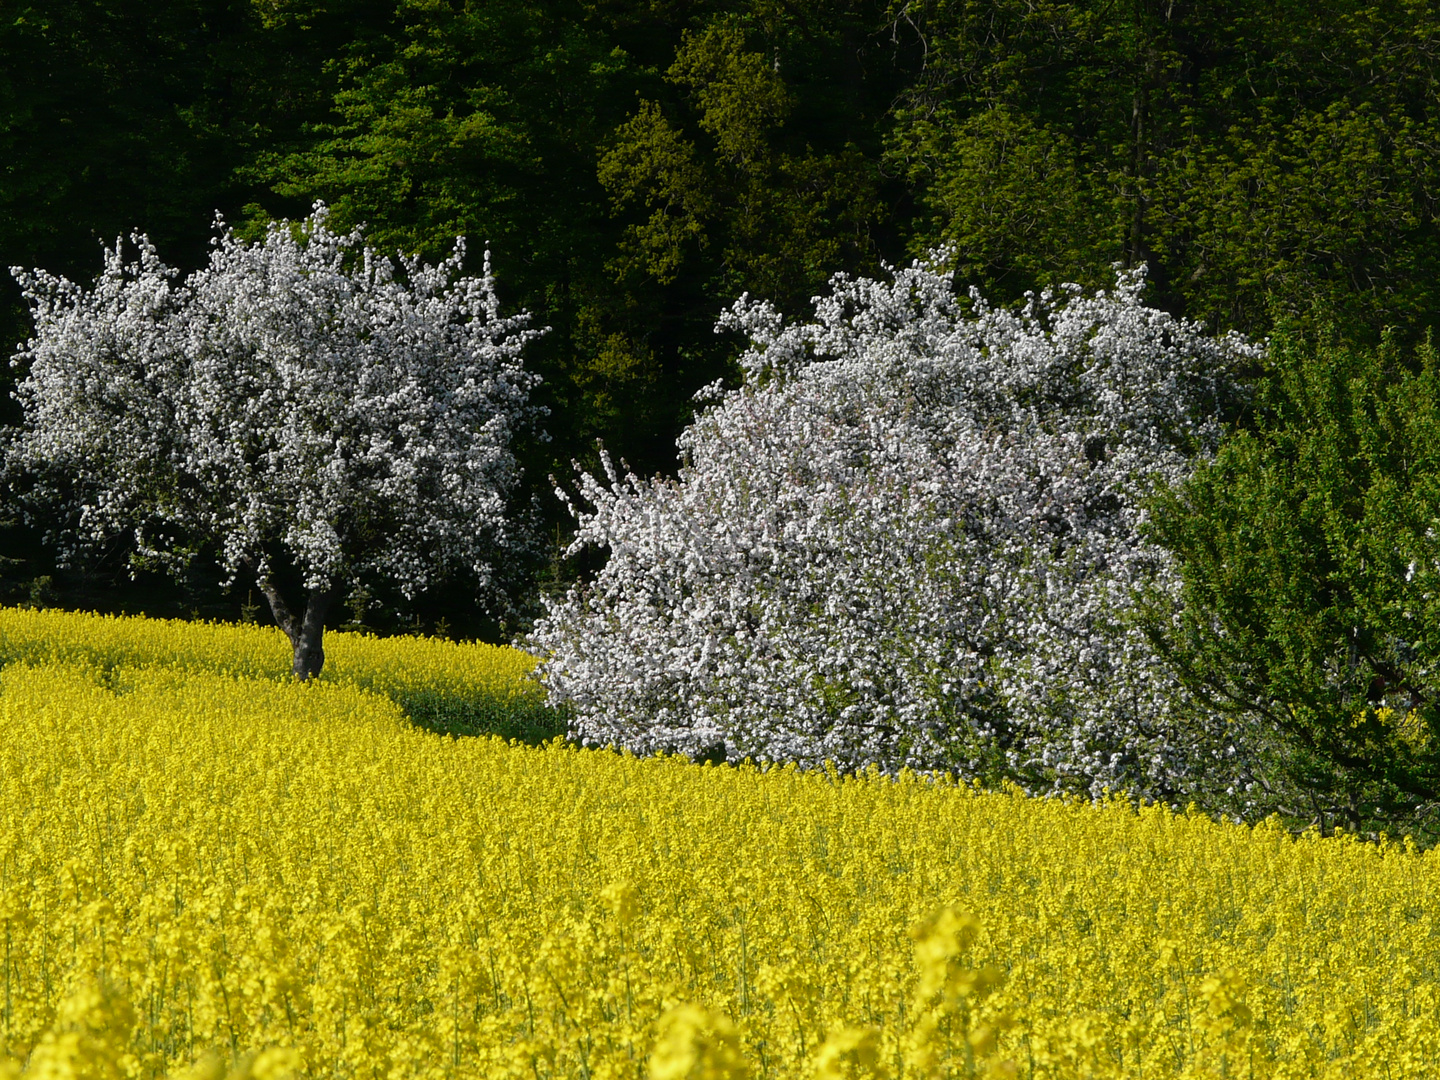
(318, 420)
(1255, 156)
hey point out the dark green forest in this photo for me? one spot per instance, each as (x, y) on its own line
(635, 165)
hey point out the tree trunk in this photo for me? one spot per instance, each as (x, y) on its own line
(309, 645)
(307, 633)
(1135, 252)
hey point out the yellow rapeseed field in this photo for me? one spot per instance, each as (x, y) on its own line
(423, 674)
(207, 873)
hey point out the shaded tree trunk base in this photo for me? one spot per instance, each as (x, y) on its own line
(307, 632)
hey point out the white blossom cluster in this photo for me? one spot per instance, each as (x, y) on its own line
(296, 402)
(911, 538)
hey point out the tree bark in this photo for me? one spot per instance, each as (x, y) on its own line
(306, 632)
(309, 645)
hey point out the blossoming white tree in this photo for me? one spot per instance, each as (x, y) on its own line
(910, 538)
(317, 418)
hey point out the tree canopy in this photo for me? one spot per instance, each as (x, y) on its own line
(911, 538)
(295, 409)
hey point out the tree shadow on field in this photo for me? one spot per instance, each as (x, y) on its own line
(526, 718)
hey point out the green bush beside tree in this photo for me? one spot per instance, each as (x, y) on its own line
(1310, 555)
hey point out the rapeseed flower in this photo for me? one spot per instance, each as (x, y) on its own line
(215, 874)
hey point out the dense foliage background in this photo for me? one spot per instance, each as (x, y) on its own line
(635, 166)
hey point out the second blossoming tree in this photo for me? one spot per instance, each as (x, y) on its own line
(298, 406)
(912, 537)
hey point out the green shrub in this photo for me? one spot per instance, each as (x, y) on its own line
(1310, 556)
